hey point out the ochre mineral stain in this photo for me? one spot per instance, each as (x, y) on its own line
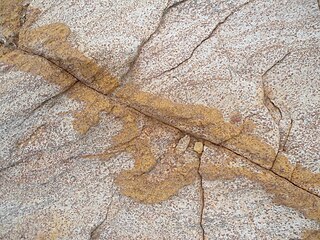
(311, 235)
(202, 122)
(284, 193)
(205, 123)
(37, 66)
(139, 183)
(93, 105)
(50, 42)
(10, 19)
(143, 185)
(296, 173)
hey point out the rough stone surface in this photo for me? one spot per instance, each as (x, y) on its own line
(178, 119)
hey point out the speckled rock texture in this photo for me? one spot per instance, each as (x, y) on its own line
(164, 119)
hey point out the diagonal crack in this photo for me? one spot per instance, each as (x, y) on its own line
(94, 233)
(144, 42)
(54, 96)
(192, 134)
(157, 118)
(275, 64)
(266, 100)
(212, 32)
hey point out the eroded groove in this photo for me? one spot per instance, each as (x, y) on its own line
(212, 32)
(267, 101)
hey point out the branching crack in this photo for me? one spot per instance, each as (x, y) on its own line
(212, 32)
(177, 128)
(269, 170)
(144, 42)
(275, 111)
(192, 134)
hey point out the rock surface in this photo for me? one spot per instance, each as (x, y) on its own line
(160, 119)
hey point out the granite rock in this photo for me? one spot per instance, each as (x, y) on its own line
(178, 119)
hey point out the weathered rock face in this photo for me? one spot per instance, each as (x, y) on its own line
(160, 119)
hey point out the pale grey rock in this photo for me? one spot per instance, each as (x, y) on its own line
(231, 205)
(108, 31)
(59, 183)
(171, 219)
(295, 90)
(238, 207)
(230, 69)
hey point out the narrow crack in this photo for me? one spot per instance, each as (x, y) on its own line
(288, 134)
(276, 63)
(202, 203)
(172, 126)
(165, 122)
(94, 233)
(165, 11)
(282, 146)
(267, 100)
(267, 169)
(12, 165)
(31, 112)
(54, 96)
(194, 135)
(40, 152)
(212, 32)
